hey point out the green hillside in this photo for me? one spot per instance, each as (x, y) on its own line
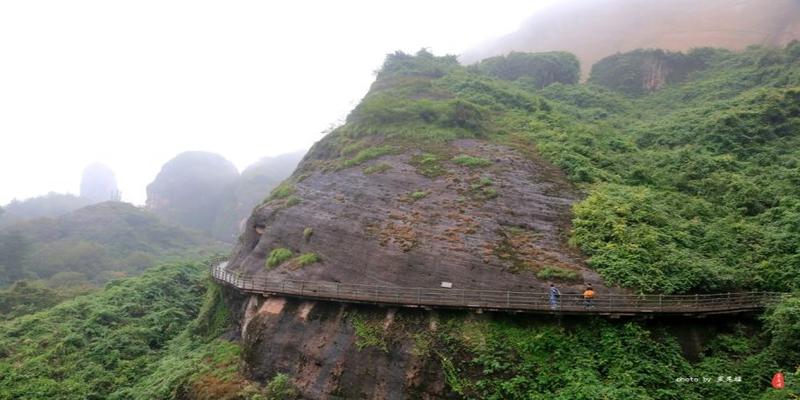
(58, 258)
(157, 337)
(693, 188)
(687, 189)
(139, 338)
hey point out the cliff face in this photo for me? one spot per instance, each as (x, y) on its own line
(596, 29)
(330, 357)
(385, 222)
(415, 190)
(437, 176)
(645, 71)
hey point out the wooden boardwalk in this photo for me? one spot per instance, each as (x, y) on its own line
(499, 300)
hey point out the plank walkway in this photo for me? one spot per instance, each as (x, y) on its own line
(498, 300)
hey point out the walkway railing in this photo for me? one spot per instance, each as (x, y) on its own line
(501, 300)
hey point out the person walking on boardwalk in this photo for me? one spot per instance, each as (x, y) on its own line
(554, 295)
(588, 296)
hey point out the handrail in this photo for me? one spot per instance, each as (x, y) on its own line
(610, 303)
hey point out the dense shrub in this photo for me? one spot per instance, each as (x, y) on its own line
(631, 72)
(541, 69)
(277, 257)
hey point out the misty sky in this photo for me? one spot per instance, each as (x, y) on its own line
(131, 84)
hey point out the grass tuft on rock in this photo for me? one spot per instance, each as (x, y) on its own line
(471, 162)
(278, 256)
(306, 259)
(558, 274)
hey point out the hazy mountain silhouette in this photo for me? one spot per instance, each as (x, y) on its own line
(99, 184)
(598, 28)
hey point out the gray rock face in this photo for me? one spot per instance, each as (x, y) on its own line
(99, 184)
(492, 226)
(318, 347)
(491, 221)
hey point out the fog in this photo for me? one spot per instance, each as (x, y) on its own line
(132, 84)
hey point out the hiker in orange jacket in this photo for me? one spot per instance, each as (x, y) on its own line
(588, 296)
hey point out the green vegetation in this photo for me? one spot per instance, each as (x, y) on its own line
(422, 64)
(292, 201)
(497, 356)
(471, 162)
(692, 188)
(482, 190)
(369, 331)
(307, 233)
(377, 168)
(140, 338)
(278, 256)
(558, 274)
(509, 359)
(306, 259)
(428, 165)
(51, 205)
(418, 195)
(368, 154)
(535, 69)
(628, 72)
(280, 388)
(282, 191)
(24, 297)
(79, 252)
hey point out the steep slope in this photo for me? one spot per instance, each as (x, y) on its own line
(379, 202)
(443, 174)
(495, 225)
(596, 29)
(141, 338)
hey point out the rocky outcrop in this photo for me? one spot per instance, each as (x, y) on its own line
(318, 346)
(645, 71)
(255, 183)
(192, 188)
(204, 191)
(407, 210)
(99, 184)
(493, 226)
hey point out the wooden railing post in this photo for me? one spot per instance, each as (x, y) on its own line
(508, 299)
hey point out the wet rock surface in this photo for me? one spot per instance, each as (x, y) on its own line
(317, 345)
(483, 216)
(494, 225)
